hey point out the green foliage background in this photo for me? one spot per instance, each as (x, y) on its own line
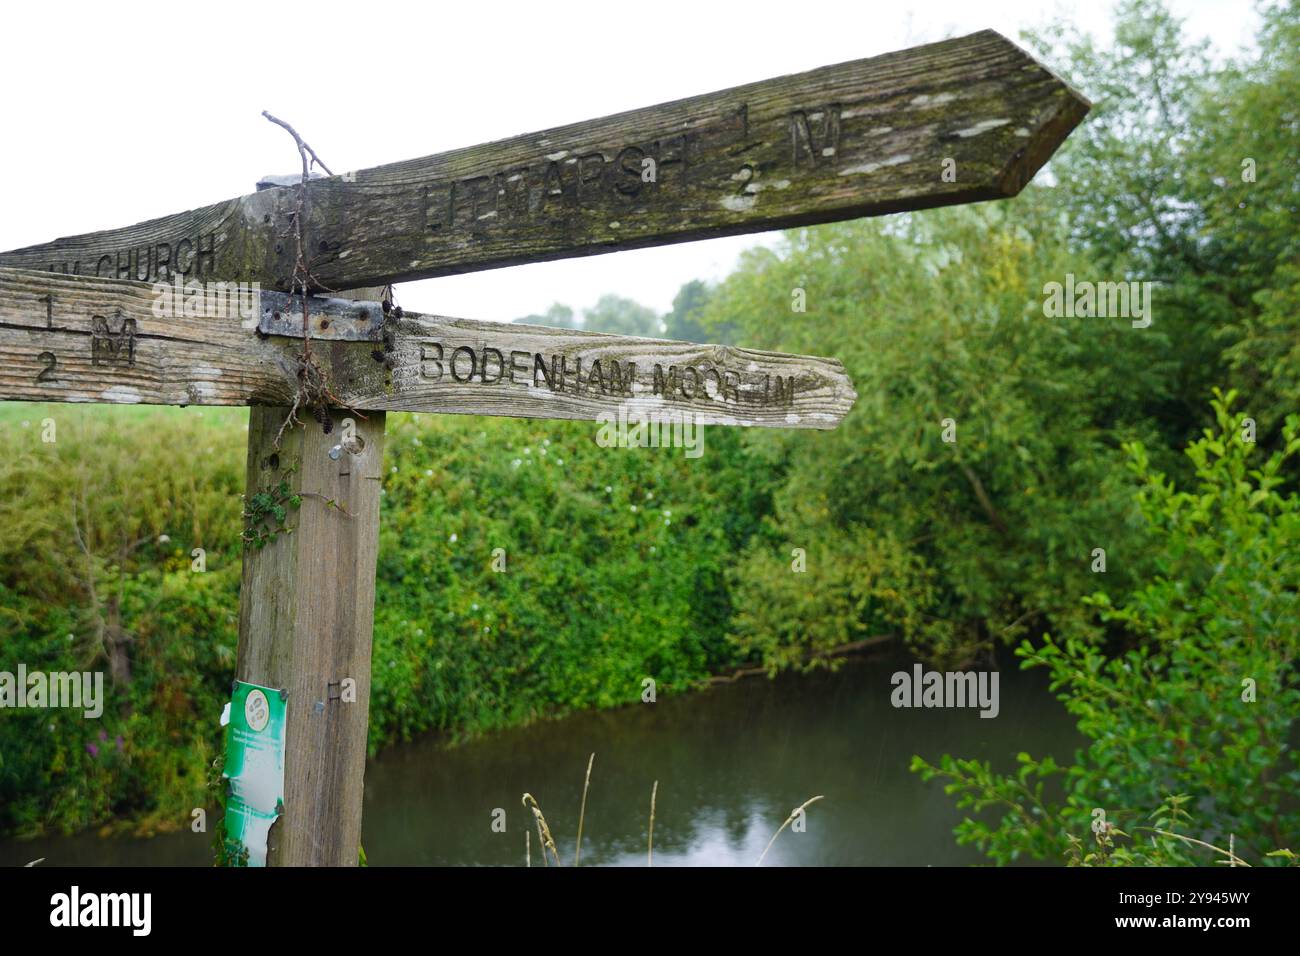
(1072, 434)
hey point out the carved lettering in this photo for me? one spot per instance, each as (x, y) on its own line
(147, 260)
(208, 255)
(629, 164)
(816, 134)
(162, 267)
(158, 262)
(591, 175)
(539, 369)
(501, 366)
(437, 206)
(672, 152)
(557, 184)
(695, 382)
(434, 374)
(782, 391)
(602, 376)
(515, 366)
(561, 376)
(184, 269)
(49, 361)
(473, 363)
(109, 346)
(717, 384)
(666, 384)
(731, 385)
(552, 184)
(621, 377)
(482, 199)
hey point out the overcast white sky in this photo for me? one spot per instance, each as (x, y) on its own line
(116, 113)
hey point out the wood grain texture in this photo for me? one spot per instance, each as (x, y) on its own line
(306, 613)
(859, 139)
(85, 339)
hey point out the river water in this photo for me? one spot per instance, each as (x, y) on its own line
(731, 763)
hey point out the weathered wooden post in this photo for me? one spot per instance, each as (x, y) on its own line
(306, 615)
(958, 121)
(306, 610)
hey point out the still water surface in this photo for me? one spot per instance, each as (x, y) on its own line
(731, 764)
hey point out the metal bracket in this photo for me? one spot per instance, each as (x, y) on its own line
(332, 320)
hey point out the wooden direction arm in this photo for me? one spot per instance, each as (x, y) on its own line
(83, 339)
(957, 121)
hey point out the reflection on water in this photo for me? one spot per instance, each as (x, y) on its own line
(731, 764)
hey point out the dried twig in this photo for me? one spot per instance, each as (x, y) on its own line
(330, 502)
(543, 831)
(1233, 859)
(650, 843)
(788, 820)
(582, 811)
(303, 148)
(313, 380)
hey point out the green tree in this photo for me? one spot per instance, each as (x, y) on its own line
(683, 322)
(952, 545)
(1201, 706)
(558, 316)
(1156, 185)
(621, 316)
(1245, 166)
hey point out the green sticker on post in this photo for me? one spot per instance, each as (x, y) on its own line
(255, 769)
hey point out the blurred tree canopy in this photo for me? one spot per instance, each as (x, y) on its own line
(614, 314)
(558, 316)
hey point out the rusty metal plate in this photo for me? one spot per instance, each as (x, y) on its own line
(333, 320)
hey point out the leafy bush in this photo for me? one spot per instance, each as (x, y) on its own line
(1201, 706)
(954, 546)
(615, 565)
(95, 575)
(615, 570)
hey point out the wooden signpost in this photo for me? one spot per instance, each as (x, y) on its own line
(859, 139)
(83, 320)
(80, 339)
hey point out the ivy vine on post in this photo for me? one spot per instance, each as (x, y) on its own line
(265, 512)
